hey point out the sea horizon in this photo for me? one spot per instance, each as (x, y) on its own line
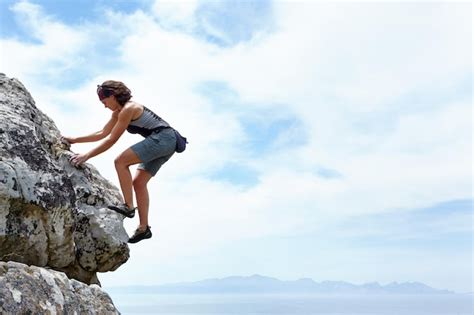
(286, 304)
(257, 294)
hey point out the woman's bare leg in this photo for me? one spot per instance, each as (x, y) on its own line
(122, 162)
(140, 182)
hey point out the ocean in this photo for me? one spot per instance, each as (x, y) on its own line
(239, 304)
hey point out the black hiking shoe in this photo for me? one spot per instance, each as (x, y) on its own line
(140, 235)
(124, 210)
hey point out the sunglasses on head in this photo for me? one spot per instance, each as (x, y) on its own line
(104, 92)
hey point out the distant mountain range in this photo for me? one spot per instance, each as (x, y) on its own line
(257, 284)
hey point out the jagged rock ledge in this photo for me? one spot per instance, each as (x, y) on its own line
(35, 290)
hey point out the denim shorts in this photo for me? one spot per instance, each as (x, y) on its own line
(155, 150)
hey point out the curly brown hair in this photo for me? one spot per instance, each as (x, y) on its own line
(121, 92)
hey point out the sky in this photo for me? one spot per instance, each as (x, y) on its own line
(327, 140)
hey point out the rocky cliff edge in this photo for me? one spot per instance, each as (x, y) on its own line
(52, 215)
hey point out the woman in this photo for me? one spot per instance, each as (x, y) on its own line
(152, 152)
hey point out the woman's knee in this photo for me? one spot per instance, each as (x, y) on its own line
(139, 183)
(126, 158)
(141, 179)
(119, 162)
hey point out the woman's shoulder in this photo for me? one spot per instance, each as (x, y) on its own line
(134, 105)
(135, 108)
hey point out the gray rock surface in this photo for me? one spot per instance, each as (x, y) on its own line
(35, 290)
(51, 213)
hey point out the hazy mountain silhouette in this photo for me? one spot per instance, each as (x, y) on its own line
(261, 284)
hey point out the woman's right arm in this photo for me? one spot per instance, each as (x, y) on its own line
(96, 136)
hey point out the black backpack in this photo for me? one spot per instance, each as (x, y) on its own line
(180, 142)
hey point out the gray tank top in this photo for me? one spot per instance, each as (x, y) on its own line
(147, 123)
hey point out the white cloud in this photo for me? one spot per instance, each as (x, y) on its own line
(175, 13)
(58, 46)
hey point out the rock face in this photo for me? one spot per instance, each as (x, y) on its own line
(52, 214)
(35, 290)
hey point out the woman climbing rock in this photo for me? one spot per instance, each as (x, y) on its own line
(160, 143)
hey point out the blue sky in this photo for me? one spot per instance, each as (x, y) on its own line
(327, 140)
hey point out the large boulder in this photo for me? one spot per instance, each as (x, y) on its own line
(35, 290)
(52, 214)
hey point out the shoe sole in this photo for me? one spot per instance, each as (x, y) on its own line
(127, 214)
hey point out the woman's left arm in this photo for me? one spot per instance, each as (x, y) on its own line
(121, 125)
